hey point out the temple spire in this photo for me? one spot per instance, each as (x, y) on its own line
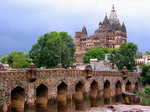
(123, 27)
(84, 29)
(106, 21)
(113, 16)
(113, 8)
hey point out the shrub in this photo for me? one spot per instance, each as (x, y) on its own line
(146, 101)
(138, 92)
(147, 90)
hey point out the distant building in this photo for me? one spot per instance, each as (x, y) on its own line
(4, 66)
(110, 34)
(102, 65)
(145, 59)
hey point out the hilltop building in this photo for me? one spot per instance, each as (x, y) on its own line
(110, 34)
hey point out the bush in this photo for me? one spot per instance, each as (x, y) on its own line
(147, 90)
(146, 101)
(138, 92)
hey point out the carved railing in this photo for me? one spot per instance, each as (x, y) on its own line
(23, 73)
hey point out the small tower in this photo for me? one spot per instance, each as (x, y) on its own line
(123, 28)
(84, 30)
(106, 21)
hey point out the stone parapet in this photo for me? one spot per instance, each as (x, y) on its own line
(52, 78)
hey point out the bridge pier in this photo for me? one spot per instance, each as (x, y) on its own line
(112, 94)
(30, 96)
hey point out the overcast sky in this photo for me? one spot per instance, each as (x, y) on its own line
(23, 21)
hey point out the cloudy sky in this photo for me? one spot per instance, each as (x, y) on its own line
(23, 21)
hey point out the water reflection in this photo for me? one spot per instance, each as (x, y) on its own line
(69, 106)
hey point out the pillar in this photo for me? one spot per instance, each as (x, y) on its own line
(112, 93)
(4, 101)
(100, 94)
(30, 96)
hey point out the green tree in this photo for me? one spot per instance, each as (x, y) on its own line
(116, 59)
(3, 59)
(53, 48)
(10, 58)
(147, 52)
(96, 52)
(124, 56)
(18, 59)
(145, 75)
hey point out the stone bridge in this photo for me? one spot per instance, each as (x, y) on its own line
(33, 86)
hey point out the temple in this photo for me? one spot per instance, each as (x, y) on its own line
(110, 34)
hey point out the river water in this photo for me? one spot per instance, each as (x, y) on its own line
(69, 106)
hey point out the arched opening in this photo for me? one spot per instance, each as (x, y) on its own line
(136, 86)
(62, 97)
(94, 94)
(79, 96)
(62, 92)
(128, 86)
(118, 91)
(17, 99)
(94, 90)
(107, 92)
(41, 95)
(79, 91)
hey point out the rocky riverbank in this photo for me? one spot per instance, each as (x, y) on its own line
(121, 108)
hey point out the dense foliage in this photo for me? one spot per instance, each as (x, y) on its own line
(17, 59)
(53, 48)
(96, 52)
(147, 90)
(146, 101)
(145, 75)
(124, 56)
(3, 59)
(144, 96)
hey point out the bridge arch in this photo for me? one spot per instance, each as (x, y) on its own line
(62, 91)
(107, 93)
(80, 80)
(79, 90)
(17, 98)
(94, 89)
(118, 91)
(42, 94)
(38, 83)
(19, 84)
(128, 86)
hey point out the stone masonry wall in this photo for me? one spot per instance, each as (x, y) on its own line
(51, 78)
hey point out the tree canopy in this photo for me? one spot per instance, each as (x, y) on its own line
(17, 59)
(3, 59)
(53, 48)
(124, 56)
(145, 75)
(147, 52)
(96, 52)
